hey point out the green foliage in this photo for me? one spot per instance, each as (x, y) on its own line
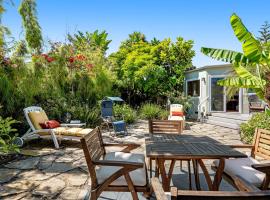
(258, 120)
(92, 40)
(125, 112)
(181, 98)
(153, 111)
(7, 135)
(147, 70)
(252, 68)
(33, 33)
(265, 33)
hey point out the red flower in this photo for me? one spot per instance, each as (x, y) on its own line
(80, 57)
(44, 55)
(50, 59)
(71, 59)
(90, 66)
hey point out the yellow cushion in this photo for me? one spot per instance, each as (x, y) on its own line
(37, 117)
(76, 132)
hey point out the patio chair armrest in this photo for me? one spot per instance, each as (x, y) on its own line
(129, 146)
(158, 189)
(116, 163)
(264, 167)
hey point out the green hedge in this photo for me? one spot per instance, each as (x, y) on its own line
(153, 111)
(258, 120)
(125, 112)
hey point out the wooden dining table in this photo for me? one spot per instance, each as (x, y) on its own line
(173, 147)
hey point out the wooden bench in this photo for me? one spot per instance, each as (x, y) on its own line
(259, 148)
(249, 192)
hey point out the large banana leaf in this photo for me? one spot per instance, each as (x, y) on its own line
(244, 79)
(239, 82)
(251, 47)
(225, 55)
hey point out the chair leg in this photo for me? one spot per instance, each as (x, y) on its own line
(93, 195)
(131, 187)
(181, 165)
(189, 175)
(150, 166)
(54, 140)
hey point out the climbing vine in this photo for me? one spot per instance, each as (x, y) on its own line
(33, 33)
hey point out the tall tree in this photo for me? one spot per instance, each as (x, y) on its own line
(148, 70)
(31, 26)
(265, 32)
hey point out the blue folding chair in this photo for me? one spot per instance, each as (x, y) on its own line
(119, 127)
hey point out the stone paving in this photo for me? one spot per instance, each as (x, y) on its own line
(46, 173)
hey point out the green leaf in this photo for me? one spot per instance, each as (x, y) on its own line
(267, 111)
(251, 47)
(225, 55)
(238, 82)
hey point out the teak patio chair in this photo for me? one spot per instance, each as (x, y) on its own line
(117, 171)
(166, 127)
(36, 115)
(249, 192)
(249, 168)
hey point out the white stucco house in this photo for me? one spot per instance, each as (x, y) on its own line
(210, 99)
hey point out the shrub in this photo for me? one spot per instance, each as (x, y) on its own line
(153, 111)
(125, 112)
(8, 135)
(181, 98)
(258, 120)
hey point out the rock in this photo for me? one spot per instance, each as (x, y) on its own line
(7, 191)
(75, 177)
(58, 167)
(19, 196)
(71, 193)
(7, 174)
(29, 163)
(22, 184)
(37, 152)
(50, 187)
(34, 175)
(65, 158)
(46, 161)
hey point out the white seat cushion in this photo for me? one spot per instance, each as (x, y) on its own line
(176, 118)
(242, 167)
(138, 176)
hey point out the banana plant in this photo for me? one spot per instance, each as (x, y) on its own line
(251, 69)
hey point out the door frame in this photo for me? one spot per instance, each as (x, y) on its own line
(210, 93)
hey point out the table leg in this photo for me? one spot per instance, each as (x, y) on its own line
(196, 174)
(218, 175)
(206, 175)
(166, 179)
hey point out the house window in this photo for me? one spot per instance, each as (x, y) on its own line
(193, 88)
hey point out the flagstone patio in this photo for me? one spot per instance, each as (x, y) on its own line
(46, 173)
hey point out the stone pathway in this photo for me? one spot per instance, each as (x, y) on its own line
(45, 173)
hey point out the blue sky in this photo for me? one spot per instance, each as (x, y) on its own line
(204, 21)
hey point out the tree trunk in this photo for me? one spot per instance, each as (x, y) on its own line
(267, 89)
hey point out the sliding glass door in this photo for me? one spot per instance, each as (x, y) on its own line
(217, 95)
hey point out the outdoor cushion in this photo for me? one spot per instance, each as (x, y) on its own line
(50, 124)
(177, 113)
(76, 132)
(138, 176)
(175, 118)
(37, 117)
(242, 167)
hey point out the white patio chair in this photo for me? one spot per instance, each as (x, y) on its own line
(177, 108)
